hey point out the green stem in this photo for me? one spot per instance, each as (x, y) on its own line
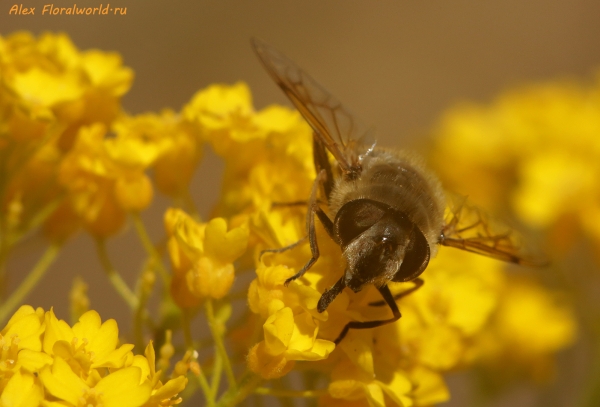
(246, 386)
(290, 393)
(217, 335)
(206, 389)
(34, 277)
(149, 246)
(114, 277)
(139, 317)
(216, 374)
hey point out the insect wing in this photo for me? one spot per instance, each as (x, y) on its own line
(470, 228)
(341, 132)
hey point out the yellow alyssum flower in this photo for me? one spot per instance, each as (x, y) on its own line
(45, 361)
(121, 388)
(49, 91)
(291, 327)
(534, 149)
(202, 256)
(50, 80)
(162, 395)
(256, 146)
(20, 346)
(88, 345)
(176, 141)
(104, 181)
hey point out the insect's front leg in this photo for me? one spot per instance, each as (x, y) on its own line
(418, 283)
(313, 207)
(389, 300)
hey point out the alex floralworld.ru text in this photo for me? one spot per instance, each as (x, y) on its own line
(50, 9)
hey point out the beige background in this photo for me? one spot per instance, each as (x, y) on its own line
(397, 63)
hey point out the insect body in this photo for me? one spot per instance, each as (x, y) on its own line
(385, 209)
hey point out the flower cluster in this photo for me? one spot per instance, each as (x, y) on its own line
(69, 152)
(50, 92)
(202, 257)
(534, 149)
(43, 359)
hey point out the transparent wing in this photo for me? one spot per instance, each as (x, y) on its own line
(341, 132)
(470, 228)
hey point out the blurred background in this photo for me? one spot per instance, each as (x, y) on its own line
(397, 64)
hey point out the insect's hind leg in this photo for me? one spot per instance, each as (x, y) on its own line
(418, 283)
(313, 207)
(389, 300)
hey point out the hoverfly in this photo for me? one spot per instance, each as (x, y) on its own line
(385, 209)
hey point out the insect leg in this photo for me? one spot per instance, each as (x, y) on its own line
(288, 204)
(389, 299)
(313, 207)
(329, 294)
(282, 249)
(418, 284)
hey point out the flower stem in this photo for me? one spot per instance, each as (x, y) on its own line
(290, 393)
(206, 389)
(34, 277)
(114, 277)
(217, 335)
(149, 246)
(216, 374)
(246, 386)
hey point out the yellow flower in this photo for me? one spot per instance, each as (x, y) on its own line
(89, 345)
(23, 389)
(372, 371)
(50, 80)
(49, 91)
(20, 346)
(122, 388)
(173, 142)
(529, 326)
(288, 337)
(162, 395)
(260, 157)
(202, 256)
(103, 182)
(534, 149)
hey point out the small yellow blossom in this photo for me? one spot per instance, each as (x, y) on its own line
(173, 144)
(51, 80)
(288, 337)
(103, 183)
(122, 388)
(162, 395)
(89, 345)
(20, 346)
(202, 256)
(263, 150)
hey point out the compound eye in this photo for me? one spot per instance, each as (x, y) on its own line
(416, 258)
(354, 218)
